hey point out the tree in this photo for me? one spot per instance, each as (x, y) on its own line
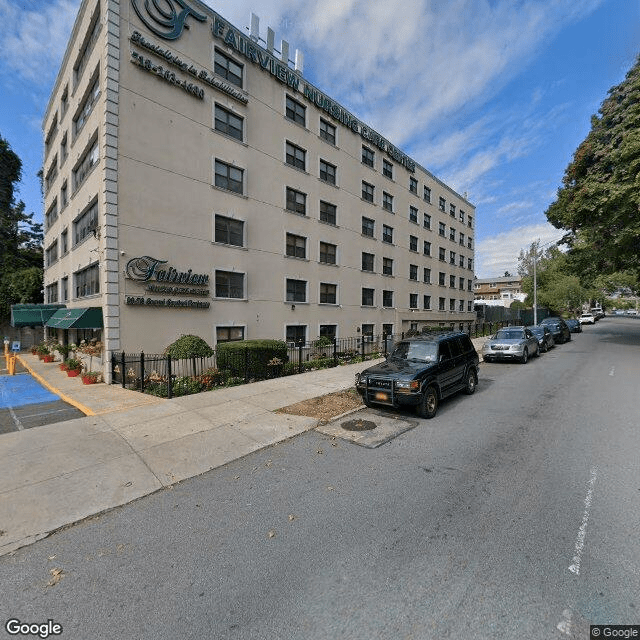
(599, 201)
(20, 239)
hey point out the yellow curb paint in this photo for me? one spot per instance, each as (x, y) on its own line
(62, 396)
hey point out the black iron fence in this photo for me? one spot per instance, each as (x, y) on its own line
(168, 377)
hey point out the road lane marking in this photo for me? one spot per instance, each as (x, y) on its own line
(582, 531)
(564, 626)
(12, 413)
(612, 372)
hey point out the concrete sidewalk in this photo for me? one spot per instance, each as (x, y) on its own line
(131, 444)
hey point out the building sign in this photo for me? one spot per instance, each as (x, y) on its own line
(168, 281)
(166, 22)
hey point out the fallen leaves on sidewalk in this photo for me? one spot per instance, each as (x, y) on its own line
(57, 574)
(325, 407)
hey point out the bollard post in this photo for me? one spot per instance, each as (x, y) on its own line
(122, 371)
(142, 371)
(169, 384)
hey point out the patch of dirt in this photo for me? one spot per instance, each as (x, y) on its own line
(326, 407)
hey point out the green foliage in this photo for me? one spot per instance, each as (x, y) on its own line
(323, 341)
(255, 357)
(73, 364)
(599, 202)
(189, 346)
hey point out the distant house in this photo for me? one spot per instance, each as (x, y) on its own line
(498, 291)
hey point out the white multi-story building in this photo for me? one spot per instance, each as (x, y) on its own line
(196, 182)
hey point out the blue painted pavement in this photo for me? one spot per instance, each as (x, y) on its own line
(17, 391)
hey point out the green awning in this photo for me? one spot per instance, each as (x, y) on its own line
(33, 315)
(78, 318)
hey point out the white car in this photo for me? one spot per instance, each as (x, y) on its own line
(587, 318)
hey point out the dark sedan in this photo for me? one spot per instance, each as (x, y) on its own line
(574, 325)
(545, 338)
(559, 329)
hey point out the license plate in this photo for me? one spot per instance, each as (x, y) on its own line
(381, 396)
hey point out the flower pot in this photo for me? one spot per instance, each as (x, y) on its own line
(88, 380)
(63, 366)
(72, 373)
(47, 358)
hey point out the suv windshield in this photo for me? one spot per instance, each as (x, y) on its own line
(509, 335)
(416, 351)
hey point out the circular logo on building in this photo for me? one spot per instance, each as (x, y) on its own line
(142, 268)
(166, 18)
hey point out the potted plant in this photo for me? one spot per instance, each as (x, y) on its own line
(73, 367)
(47, 357)
(91, 349)
(42, 350)
(90, 377)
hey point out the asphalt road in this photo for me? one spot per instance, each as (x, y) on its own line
(514, 514)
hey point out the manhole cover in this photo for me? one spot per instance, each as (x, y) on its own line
(358, 425)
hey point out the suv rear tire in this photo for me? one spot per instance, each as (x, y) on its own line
(472, 382)
(428, 406)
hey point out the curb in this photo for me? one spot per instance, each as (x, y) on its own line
(60, 394)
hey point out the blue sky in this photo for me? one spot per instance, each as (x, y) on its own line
(492, 96)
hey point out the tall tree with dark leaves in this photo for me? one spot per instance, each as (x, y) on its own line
(599, 202)
(20, 239)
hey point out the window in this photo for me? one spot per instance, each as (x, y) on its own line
(452, 282)
(387, 234)
(86, 48)
(426, 223)
(228, 68)
(462, 216)
(229, 231)
(426, 248)
(413, 272)
(296, 201)
(387, 266)
(86, 223)
(64, 149)
(452, 304)
(296, 290)
(367, 332)
(387, 298)
(52, 293)
(87, 162)
(296, 111)
(367, 191)
(87, 281)
(52, 174)
(442, 278)
(368, 156)
(64, 242)
(51, 254)
(413, 243)
(470, 264)
(86, 106)
(367, 261)
(413, 301)
(452, 210)
(367, 227)
(51, 134)
(426, 275)
(367, 297)
(229, 284)
(461, 263)
(413, 215)
(469, 285)
(327, 172)
(64, 286)
(296, 334)
(442, 203)
(470, 222)
(296, 246)
(452, 234)
(328, 331)
(452, 257)
(64, 197)
(296, 156)
(328, 212)
(228, 123)
(426, 302)
(470, 305)
(413, 185)
(328, 253)
(387, 169)
(229, 334)
(469, 243)
(51, 215)
(461, 284)
(387, 201)
(387, 329)
(328, 293)
(461, 239)
(64, 102)
(327, 131)
(441, 303)
(229, 177)
(442, 229)
(442, 254)
(427, 194)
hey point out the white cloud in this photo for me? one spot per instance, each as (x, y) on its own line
(499, 253)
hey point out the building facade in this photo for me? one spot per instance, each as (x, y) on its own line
(499, 291)
(196, 182)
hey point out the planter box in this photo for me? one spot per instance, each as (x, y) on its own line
(72, 373)
(88, 380)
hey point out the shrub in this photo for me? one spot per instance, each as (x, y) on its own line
(73, 364)
(254, 358)
(188, 346)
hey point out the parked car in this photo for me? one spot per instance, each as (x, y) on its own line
(574, 325)
(421, 371)
(559, 329)
(597, 312)
(511, 343)
(545, 338)
(587, 318)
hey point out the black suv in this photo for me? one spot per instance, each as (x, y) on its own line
(420, 372)
(558, 328)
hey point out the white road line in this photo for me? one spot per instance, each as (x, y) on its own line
(565, 626)
(582, 531)
(613, 371)
(12, 413)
